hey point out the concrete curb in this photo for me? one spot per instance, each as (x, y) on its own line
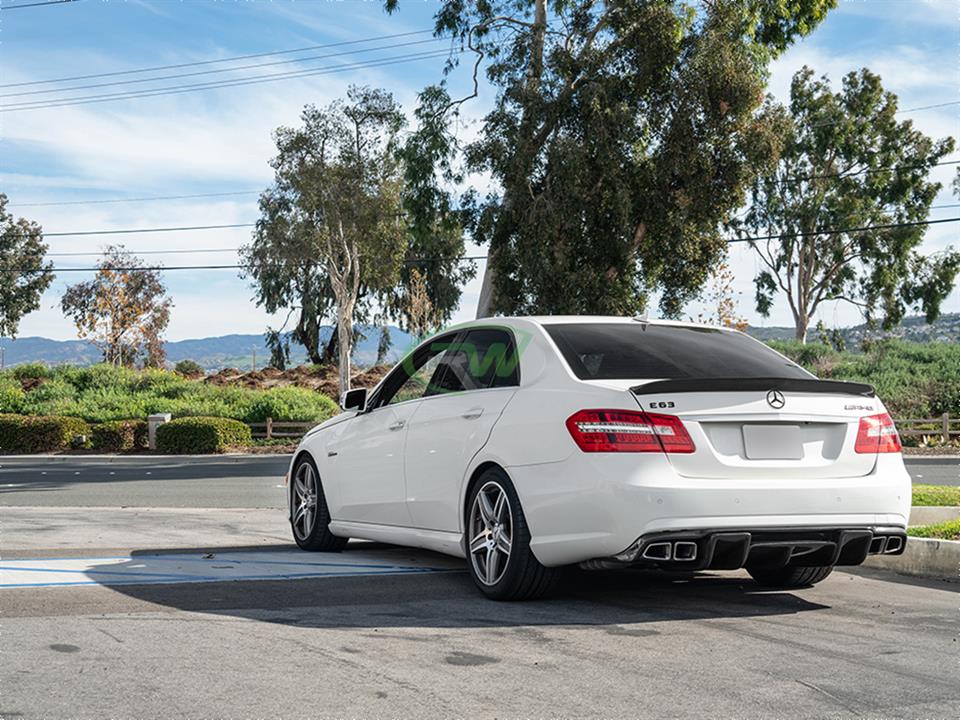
(212, 457)
(938, 559)
(933, 514)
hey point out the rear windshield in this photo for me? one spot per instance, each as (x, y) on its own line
(641, 351)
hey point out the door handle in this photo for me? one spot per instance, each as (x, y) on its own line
(473, 413)
(398, 425)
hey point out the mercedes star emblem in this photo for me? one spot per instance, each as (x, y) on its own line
(775, 399)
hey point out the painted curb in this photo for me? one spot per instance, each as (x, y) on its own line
(938, 559)
(933, 514)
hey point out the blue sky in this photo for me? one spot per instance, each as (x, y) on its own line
(219, 140)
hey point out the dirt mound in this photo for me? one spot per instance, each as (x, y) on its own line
(321, 378)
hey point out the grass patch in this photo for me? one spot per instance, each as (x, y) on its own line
(949, 530)
(935, 495)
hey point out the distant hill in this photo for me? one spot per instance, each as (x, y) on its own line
(212, 353)
(916, 329)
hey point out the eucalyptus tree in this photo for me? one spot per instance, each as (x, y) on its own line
(622, 135)
(848, 163)
(332, 223)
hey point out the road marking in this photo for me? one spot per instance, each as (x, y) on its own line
(194, 568)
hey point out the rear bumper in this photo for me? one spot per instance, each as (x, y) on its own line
(596, 505)
(727, 549)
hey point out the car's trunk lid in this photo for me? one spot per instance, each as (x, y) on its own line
(763, 427)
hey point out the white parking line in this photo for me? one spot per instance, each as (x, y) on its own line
(187, 568)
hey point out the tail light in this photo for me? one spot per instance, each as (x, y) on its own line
(877, 434)
(628, 431)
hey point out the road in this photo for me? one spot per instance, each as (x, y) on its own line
(213, 482)
(152, 611)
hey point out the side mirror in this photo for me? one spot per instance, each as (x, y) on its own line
(355, 399)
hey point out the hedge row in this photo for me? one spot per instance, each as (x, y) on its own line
(26, 434)
(199, 435)
(119, 436)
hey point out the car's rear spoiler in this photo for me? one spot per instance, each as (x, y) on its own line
(800, 385)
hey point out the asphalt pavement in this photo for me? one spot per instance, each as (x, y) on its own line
(171, 588)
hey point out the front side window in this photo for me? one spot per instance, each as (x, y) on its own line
(415, 376)
(647, 351)
(483, 358)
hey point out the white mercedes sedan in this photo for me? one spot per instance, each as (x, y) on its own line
(528, 444)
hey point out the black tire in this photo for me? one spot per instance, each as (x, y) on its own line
(317, 536)
(523, 578)
(790, 577)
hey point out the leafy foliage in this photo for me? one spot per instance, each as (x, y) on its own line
(21, 247)
(201, 435)
(330, 235)
(188, 368)
(124, 310)
(913, 379)
(119, 435)
(25, 434)
(622, 135)
(847, 162)
(105, 393)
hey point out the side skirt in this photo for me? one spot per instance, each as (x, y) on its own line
(442, 542)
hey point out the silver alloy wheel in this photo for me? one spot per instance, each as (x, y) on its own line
(490, 533)
(305, 504)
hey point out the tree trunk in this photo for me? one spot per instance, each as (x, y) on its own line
(803, 323)
(485, 305)
(344, 343)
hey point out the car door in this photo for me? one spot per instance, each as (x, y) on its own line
(475, 380)
(368, 455)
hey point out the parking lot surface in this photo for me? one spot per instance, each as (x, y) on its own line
(159, 611)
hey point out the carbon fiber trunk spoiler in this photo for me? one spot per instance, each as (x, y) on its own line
(800, 385)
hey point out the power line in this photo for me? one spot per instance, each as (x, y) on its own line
(841, 231)
(130, 231)
(177, 76)
(867, 171)
(935, 106)
(471, 258)
(197, 63)
(176, 89)
(35, 4)
(136, 199)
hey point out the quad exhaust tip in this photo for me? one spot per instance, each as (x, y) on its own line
(886, 544)
(681, 551)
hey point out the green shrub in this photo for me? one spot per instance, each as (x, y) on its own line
(949, 530)
(292, 404)
(188, 368)
(119, 435)
(30, 434)
(30, 371)
(11, 395)
(200, 435)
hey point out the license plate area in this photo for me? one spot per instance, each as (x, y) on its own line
(772, 442)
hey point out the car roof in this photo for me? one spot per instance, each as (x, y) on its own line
(583, 320)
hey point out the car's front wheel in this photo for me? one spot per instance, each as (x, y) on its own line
(498, 552)
(309, 516)
(789, 577)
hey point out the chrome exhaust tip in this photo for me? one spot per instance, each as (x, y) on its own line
(657, 551)
(894, 543)
(877, 545)
(684, 550)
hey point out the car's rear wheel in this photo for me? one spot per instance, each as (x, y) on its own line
(310, 517)
(789, 577)
(498, 551)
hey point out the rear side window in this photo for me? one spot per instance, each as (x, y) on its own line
(482, 358)
(644, 351)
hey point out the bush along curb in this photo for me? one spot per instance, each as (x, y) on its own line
(119, 436)
(924, 557)
(201, 435)
(29, 434)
